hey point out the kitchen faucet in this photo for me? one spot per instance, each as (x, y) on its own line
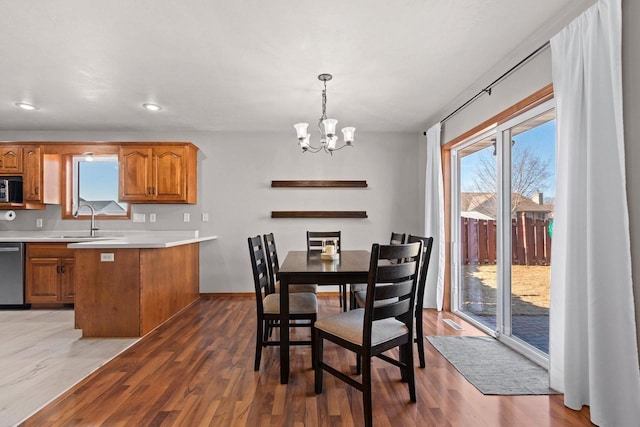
(94, 228)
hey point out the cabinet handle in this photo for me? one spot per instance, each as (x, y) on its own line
(153, 190)
(148, 190)
(62, 269)
(37, 190)
(58, 269)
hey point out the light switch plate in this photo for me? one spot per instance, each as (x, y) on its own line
(186, 217)
(139, 217)
(205, 217)
(38, 222)
(107, 257)
(152, 217)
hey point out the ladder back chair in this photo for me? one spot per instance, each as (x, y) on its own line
(274, 267)
(315, 243)
(427, 245)
(356, 288)
(302, 306)
(372, 330)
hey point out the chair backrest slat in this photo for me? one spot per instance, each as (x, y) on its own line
(398, 290)
(395, 309)
(272, 260)
(397, 238)
(315, 239)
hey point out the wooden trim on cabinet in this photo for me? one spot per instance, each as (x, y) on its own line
(319, 214)
(320, 184)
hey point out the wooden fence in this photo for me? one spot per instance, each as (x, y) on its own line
(531, 243)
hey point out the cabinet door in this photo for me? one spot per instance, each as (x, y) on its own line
(32, 182)
(136, 173)
(11, 159)
(170, 174)
(67, 283)
(42, 280)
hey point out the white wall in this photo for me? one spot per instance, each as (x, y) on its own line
(234, 177)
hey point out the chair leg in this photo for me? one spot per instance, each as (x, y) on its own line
(313, 346)
(366, 391)
(344, 297)
(420, 338)
(259, 333)
(318, 360)
(402, 350)
(410, 372)
(267, 329)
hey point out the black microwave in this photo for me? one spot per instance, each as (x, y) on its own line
(11, 190)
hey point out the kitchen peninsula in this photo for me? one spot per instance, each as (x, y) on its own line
(126, 283)
(126, 287)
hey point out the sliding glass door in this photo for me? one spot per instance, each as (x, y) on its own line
(503, 189)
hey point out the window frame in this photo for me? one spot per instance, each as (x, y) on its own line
(69, 186)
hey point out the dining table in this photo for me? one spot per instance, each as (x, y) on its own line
(303, 267)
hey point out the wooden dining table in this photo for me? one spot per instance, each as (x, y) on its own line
(302, 267)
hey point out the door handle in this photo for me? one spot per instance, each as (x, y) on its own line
(13, 249)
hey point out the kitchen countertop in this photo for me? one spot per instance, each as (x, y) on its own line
(116, 239)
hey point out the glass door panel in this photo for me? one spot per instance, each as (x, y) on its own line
(532, 192)
(477, 196)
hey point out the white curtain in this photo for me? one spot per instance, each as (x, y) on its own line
(434, 219)
(593, 348)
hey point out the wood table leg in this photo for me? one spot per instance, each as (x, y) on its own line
(284, 329)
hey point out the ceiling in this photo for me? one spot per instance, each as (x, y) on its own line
(251, 65)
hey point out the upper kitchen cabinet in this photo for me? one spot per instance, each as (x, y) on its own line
(10, 159)
(33, 176)
(158, 173)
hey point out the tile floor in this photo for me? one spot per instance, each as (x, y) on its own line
(41, 356)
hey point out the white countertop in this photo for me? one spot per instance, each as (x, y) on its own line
(109, 239)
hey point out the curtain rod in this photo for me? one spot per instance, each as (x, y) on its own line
(487, 89)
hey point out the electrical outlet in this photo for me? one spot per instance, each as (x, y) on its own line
(39, 223)
(186, 217)
(205, 217)
(139, 217)
(152, 217)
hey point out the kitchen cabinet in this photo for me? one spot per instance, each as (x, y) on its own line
(49, 273)
(158, 173)
(11, 159)
(33, 177)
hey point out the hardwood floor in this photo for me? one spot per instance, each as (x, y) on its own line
(198, 370)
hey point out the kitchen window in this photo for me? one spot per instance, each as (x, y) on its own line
(95, 184)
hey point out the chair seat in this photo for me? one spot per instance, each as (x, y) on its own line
(358, 287)
(298, 288)
(361, 298)
(349, 326)
(299, 303)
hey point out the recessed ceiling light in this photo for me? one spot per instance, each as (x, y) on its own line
(152, 107)
(25, 106)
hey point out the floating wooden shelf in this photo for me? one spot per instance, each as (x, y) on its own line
(320, 184)
(318, 214)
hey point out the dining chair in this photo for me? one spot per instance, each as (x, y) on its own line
(372, 330)
(354, 288)
(315, 243)
(302, 306)
(274, 267)
(427, 245)
(360, 296)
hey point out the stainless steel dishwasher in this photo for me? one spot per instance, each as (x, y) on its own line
(12, 275)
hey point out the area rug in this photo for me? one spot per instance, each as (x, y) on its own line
(492, 367)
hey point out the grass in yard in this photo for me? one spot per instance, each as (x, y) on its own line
(530, 289)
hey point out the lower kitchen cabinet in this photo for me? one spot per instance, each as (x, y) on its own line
(49, 275)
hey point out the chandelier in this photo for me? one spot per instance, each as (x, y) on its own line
(328, 138)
